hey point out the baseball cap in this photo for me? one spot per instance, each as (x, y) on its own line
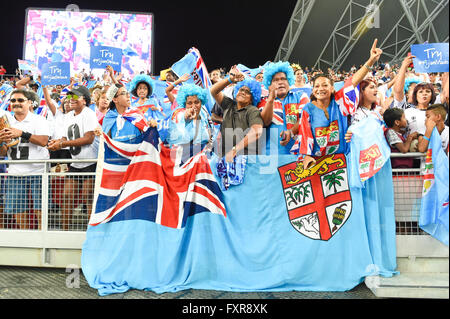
(82, 91)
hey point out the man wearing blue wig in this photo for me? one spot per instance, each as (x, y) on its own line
(242, 123)
(281, 109)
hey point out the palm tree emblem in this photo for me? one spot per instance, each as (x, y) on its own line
(298, 194)
(334, 179)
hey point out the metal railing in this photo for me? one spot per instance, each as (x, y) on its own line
(408, 183)
(50, 201)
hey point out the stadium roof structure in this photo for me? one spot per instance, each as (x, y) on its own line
(337, 34)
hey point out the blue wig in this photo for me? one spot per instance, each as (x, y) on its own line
(255, 89)
(410, 81)
(274, 68)
(191, 90)
(142, 78)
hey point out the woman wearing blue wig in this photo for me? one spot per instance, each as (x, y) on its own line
(142, 87)
(190, 120)
(242, 123)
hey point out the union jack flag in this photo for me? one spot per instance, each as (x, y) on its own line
(244, 70)
(348, 98)
(305, 141)
(149, 181)
(136, 117)
(42, 109)
(279, 113)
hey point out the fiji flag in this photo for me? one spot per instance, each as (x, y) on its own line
(250, 72)
(192, 63)
(149, 181)
(435, 196)
(160, 94)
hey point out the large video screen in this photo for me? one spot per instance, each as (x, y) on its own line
(57, 35)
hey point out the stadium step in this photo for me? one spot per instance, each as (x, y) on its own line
(411, 285)
(423, 263)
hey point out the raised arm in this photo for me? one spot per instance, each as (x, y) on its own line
(444, 92)
(49, 100)
(217, 88)
(23, 82)
(399, 85)
(171, 86)
(375, 54)
(110, 71)
(267, 111)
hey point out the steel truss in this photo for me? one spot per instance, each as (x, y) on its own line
(294, 28)
(415, 25)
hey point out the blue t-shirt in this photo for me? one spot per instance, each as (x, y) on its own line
(329, 133)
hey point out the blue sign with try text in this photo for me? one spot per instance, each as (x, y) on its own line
(57, 73)
(430, 57)
(102, 56)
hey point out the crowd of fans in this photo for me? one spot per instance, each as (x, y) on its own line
(67, 122)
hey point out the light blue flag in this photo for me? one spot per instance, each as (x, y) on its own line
(433, 216)
(193, 64)
(370, 171)
(248, 72)
(256, 248)
(90, 83)
(369, 150)
(160, 93)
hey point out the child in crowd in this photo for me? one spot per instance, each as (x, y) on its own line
(396, 122)
(436, 115)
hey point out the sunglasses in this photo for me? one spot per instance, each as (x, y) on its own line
(17, 100)
(72, 97)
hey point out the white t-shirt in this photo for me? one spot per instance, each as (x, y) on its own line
(58, 124)
(36, 125)
(77, 126)
(416, 120)
(415, 117)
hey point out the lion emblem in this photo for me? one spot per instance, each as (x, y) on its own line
(295, 175)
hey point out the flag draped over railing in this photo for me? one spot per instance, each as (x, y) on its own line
(435, 196)
(149, 181)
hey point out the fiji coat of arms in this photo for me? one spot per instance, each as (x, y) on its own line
(318, 199)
